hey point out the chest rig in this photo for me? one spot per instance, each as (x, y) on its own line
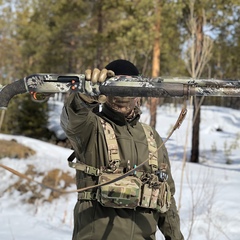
(148, 190)
(113, 150)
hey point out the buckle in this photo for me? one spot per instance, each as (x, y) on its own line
(86, 196)
(92, 171)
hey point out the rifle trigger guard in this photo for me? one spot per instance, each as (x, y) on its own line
(43, 97)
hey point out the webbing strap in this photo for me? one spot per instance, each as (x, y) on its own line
(86, 196)
(152, 146)
(113, 152)
(84, 168)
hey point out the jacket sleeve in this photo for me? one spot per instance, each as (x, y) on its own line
(78, 121)
(169, 222)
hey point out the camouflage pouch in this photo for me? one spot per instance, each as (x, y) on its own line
(125, 193)
(156, 198)
(164, 198)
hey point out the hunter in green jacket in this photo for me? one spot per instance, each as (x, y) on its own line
(87, 134)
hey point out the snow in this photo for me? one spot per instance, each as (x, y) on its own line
(207, 194)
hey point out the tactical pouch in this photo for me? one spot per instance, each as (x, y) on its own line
(164, 198)
(158, 198)
(125, 193)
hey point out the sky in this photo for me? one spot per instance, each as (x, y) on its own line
(207, 194)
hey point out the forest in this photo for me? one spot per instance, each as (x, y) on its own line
(191, 38)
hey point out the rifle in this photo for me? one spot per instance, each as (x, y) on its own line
(131, 86)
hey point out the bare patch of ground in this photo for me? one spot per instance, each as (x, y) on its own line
(55, 178)
(13, 149)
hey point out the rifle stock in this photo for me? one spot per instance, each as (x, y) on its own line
(136, 86)
(10, 90)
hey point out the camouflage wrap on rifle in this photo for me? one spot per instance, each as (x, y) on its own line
(55, 83)
(169, 87)
(137, 86)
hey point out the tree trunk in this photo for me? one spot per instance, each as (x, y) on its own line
(156, 62)
(99, 54)
(196, 102)
(195, 131)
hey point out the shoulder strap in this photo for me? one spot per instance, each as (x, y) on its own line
(152, 146)
(113, 151)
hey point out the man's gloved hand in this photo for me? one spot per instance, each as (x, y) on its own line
(94, 77)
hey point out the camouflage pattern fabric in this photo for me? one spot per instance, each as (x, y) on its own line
(130, 192)
(156, 195)
(123, 193)
(164, 198)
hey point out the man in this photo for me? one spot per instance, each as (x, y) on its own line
(114, 141)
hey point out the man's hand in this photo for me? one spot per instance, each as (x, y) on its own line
(94, 77)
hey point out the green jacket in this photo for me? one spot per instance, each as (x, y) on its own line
(91, 220)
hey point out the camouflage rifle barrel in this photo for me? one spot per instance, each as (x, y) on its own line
(209, 87)
(169, 87)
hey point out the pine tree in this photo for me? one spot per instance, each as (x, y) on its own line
(28, 118)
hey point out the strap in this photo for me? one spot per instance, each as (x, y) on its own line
(113, 151)
(86, 196)
(152, 147)
(82, 166)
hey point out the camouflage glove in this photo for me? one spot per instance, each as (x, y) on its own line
(94, 77)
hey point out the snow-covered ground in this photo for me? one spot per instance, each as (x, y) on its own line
(207, 194)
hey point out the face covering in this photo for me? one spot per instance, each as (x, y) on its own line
(124, 105)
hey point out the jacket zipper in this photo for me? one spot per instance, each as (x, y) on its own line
(134, 155)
